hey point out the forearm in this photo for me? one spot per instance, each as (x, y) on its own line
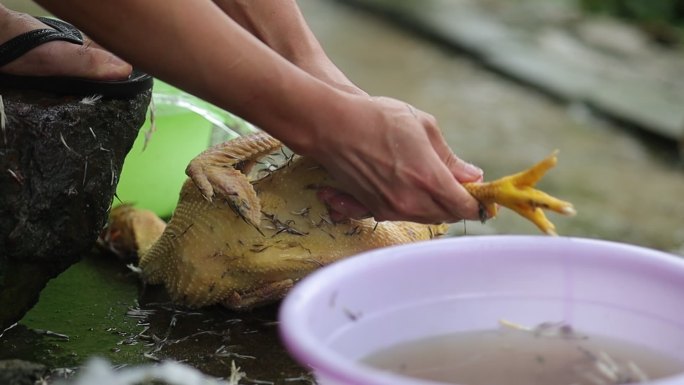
(390, 157)
(199, 49)
(280, 25)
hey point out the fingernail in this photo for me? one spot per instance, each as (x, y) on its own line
(473, 170)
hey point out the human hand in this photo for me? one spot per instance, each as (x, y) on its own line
(394, 161)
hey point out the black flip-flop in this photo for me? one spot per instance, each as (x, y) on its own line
(136, 83)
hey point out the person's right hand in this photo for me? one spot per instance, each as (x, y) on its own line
(393, 159)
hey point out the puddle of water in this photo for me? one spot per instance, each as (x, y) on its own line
(79, 314)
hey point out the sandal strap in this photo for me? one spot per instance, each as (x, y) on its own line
(19, 45)
(61, 26)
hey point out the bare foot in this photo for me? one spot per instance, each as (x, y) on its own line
(58, 58)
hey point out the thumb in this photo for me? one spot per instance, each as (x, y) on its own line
(462, 170)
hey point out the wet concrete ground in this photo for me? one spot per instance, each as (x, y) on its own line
(625, 187)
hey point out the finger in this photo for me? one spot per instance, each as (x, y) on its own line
(449, 195)
(437, 197)
(403, 204)
(342, 206)
(452, 197)
(462, 170)
(460, 204)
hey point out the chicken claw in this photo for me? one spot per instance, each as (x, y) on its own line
(517, 192)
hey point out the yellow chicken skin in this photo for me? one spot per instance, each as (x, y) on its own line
(242, 237)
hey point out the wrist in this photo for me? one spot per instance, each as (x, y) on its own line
(335, 122)
(317, 125)
(300, 52)
(301, 111)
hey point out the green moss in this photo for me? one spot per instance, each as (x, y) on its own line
(87, 303)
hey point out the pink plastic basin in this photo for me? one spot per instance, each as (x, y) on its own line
(357, 306)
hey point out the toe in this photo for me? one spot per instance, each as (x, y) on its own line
(60, 58)
(107, 66)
